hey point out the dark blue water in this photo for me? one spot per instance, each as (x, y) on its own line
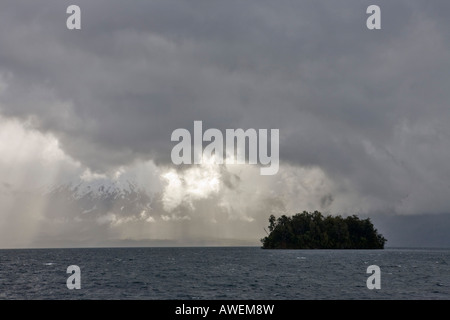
(224, 273)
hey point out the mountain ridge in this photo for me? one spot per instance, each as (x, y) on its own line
(99, 197)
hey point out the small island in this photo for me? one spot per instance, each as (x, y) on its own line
(311, 230)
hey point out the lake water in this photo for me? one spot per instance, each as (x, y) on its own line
(246, 273)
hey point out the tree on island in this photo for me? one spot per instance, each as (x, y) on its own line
(311, 230)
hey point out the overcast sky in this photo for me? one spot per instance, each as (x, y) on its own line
(363, 114)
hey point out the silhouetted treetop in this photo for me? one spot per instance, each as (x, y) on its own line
(311, 230)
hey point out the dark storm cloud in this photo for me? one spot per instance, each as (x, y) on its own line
(368, 107)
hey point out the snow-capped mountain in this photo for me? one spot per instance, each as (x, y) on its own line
(98, 197)
(98, 188)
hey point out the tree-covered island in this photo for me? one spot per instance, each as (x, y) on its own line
(311, 230)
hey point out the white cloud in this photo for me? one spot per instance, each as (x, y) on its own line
(31, 159)
(195, 183)
(362, 115)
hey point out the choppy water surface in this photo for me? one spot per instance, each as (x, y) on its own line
(224, 273)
